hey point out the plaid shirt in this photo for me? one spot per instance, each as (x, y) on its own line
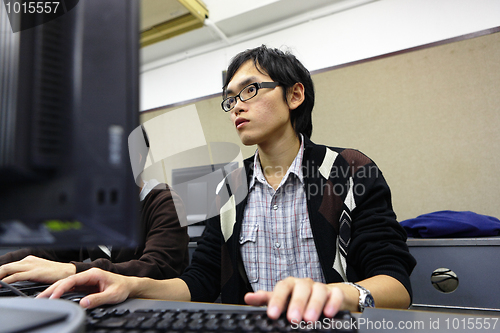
(276, 238)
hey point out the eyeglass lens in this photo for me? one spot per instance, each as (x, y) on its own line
(245, 94)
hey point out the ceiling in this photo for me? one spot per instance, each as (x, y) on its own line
(226, 22)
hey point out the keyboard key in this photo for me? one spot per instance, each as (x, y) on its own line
(179, 324)
(164, 323)
(149, 323)
(196, 324)
(229, 325)
(114, 322)
(212, 324)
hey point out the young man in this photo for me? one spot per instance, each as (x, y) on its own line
(296, 223)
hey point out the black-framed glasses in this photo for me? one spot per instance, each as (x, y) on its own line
(246, 93)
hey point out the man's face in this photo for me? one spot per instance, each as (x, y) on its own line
(266, 117)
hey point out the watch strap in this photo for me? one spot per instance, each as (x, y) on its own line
(363, 294)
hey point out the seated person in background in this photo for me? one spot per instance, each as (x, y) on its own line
(312, 217)
(163, 252)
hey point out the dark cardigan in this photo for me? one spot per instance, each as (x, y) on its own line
(376, 241)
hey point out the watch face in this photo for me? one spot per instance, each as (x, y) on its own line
(369, 302)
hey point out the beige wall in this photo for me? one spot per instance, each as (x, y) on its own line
(429, 118)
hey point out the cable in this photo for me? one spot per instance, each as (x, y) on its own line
(13, 289)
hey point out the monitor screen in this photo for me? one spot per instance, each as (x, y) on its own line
(68, 101)
(197, 186)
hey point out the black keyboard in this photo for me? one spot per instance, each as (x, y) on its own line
(29, 288)
(102, 320)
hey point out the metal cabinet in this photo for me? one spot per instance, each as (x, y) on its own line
(473, 262)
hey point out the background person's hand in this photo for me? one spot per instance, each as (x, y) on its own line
(36, 269)
(305, 299)
(102, 287)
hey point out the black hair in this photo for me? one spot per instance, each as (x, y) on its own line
(285, 68)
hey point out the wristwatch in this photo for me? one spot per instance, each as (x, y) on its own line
(365, 297)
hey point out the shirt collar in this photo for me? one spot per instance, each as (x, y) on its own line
(148, 186)
(295, 167)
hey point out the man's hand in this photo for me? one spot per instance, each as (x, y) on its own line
(306, 299)
(104, 287)
(37, 269)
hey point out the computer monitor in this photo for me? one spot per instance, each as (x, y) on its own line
(68, 101)
(197, 187)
